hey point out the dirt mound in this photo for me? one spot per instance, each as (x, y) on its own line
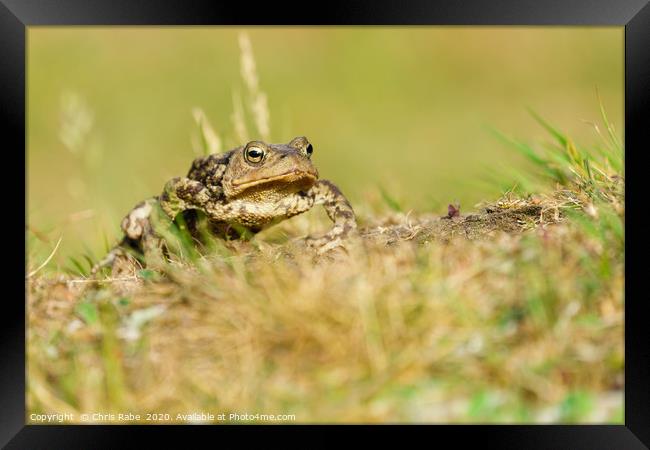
(509, 218)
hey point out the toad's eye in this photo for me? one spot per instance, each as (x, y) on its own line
(254, 154)
(309, 150)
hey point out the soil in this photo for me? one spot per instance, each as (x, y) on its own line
(485, 223)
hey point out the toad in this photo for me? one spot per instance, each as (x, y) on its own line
(241, 192)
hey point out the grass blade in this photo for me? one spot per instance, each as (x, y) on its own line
(559, 136)
(390, 201)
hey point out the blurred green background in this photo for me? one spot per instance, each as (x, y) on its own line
(407, 109)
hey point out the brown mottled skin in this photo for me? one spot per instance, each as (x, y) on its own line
(242, 191)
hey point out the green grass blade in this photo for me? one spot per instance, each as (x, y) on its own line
(610, 128)
(532, 155)
(524, 149)
(390, 201)
(558, 135)
(78, 266)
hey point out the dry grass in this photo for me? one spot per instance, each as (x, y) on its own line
(414, 324)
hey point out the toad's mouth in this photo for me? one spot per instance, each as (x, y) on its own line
(290, 177)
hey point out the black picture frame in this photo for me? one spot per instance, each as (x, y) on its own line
(634, 15)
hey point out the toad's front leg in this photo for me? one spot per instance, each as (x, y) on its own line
(338, 209)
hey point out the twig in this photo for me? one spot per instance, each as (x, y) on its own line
(107, 280)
